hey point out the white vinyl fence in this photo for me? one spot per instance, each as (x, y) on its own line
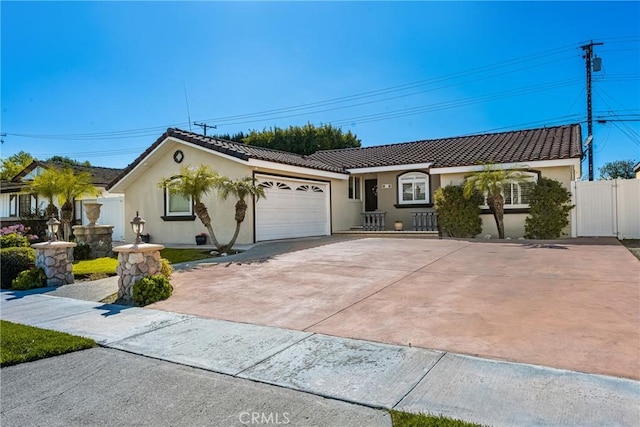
(606, 208)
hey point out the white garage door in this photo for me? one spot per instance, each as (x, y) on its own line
(292, 208)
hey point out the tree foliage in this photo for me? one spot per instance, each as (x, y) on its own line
(549, 204)
(618, 169)
(237, 137)
(491, 181)
(303, 140)
(13, 165)
(65, 185)
(63, 160)
(48, 185)
(458, 216)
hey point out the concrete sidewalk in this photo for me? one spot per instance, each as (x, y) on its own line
(366, 373)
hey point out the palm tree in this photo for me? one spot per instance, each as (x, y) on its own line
(240, 188)
(47, 184)
(196, 183)
(490, 181)
(72, 185)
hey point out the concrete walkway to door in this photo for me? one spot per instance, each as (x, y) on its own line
(572, 304)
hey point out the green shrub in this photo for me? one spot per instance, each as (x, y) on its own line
(29, 279)
(16, 235)
(82, 252)
(13, 240)
(457, 215)
(13, 261)
(166, 269)
(549, 204)
(151, 289)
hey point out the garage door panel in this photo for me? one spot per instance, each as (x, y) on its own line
(292, 208)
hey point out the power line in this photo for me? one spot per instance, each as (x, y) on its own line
(153, 130)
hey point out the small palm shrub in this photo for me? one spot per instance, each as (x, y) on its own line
(13, 261)
(458, 216)
(549, 207)
(151, 289)
(29, 279)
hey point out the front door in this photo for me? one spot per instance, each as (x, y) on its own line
(370, 195)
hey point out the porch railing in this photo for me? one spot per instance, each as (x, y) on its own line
(425, 221)
(373, 221)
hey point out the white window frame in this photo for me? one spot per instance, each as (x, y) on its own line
(168, 211)
(414, 178)
(514, 189)
(355, 188)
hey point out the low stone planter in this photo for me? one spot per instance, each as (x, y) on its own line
(56, 259)
(134, 263)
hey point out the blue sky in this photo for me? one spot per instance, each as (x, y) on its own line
(100, 81)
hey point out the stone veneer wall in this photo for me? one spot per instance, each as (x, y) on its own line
(55, 258)
(134, 263)
(99, 237)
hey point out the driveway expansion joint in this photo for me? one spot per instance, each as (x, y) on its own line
(444, 353)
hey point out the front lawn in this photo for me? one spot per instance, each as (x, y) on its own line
(96, 267)
(405, 419)
(22, 343)
(101, 267)
(176, 256)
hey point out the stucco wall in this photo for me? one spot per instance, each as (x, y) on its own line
(514, 222)
(388, 199)
(144, 195)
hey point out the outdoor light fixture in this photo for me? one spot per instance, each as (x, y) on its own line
(53, 225)
(137, 225)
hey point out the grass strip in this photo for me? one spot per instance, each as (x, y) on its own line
(22, 343)
(405, 419)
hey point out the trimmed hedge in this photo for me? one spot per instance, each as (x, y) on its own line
(13, 261)
(29, 279)
(550, 204)
(458, 216)
(151, 289)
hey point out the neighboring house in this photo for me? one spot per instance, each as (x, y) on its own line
(16, 203)
(328, 191)
(636, 169)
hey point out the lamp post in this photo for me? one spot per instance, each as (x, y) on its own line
(137, 225)
(53, 225)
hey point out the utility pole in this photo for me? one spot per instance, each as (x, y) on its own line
(205, 126)
(588, 56)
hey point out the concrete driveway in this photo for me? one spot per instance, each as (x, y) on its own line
(572, 304)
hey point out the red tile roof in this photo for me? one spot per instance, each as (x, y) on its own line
(561, 142)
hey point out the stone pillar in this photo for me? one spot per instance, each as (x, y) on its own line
(99, 237)
(134, 263)
(55, 258)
